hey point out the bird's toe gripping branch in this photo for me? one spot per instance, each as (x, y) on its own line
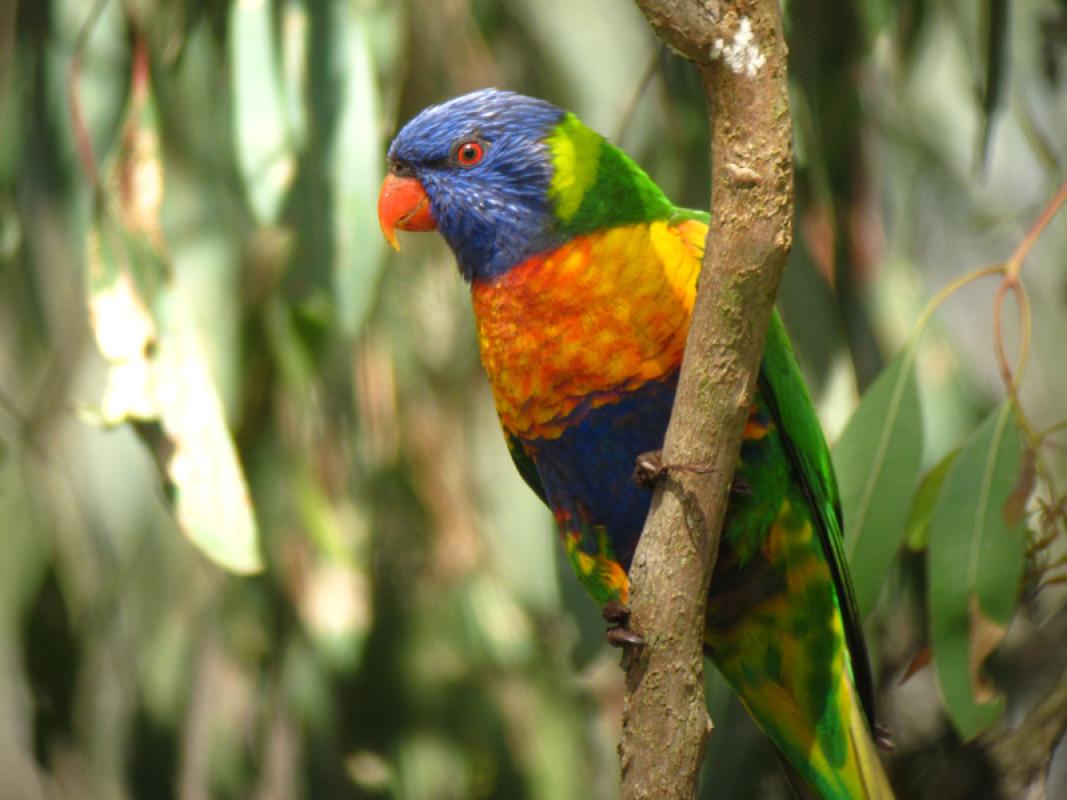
(619, 634)
(649, 468)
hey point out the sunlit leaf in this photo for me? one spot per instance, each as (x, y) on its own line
(158, 372)
(877, 463)
(158, 369)
(975, 564)
(211, 499)
(922, 506)
(202, 217)
(124, 328)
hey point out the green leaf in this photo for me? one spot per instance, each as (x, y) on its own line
(877, 462)
(211, 499)
(159, 376)
(123, 273)
(264, 150)
(358, 170)
(976, 553)
(996, 28)
(158, 372)
(922, 507)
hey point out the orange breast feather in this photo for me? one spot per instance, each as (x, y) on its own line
(570, 330)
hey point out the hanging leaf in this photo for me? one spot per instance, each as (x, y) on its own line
(158, 374)
(211, 500)
(158, 377)
(357, 159)
(877, 463)
(976, 549)
(265, 148)
(922, 507)
(997, 29)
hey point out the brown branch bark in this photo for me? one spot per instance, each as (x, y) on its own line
(1023, 755)
(665, 722)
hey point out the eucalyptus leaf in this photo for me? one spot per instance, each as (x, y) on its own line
(159, 374)
(996, 27)
(922, 507)
(976, 556)
(877, 461)
(358, 166)
(264, 148)
(211, 498)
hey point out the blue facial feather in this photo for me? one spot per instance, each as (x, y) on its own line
(496, 213)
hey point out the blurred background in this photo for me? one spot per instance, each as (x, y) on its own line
(259, 534)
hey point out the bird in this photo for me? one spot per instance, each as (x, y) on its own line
(582, 276)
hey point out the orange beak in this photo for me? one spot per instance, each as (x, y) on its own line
(403, 204)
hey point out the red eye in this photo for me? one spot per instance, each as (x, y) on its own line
(469, 153)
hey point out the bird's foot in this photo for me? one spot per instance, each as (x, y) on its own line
(619, 634)
(623, 637)
(649, 468)
(615, 613)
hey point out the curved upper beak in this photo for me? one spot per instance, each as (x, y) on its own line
(403, 204)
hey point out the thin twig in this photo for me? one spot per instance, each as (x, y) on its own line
(1012, 378)
(1015, 263)
(1023, 754)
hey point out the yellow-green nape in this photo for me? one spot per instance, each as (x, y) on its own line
(575, 157)
(595, 185)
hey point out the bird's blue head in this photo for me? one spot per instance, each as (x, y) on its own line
(477, 169)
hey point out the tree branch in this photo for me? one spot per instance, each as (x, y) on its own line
(1023, 755)
(740, 50)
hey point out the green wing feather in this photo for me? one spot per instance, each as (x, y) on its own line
(525, 465)
(783, 388)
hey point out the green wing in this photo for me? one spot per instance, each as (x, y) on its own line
(525, 465)
(783, 387)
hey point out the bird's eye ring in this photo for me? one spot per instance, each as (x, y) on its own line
(468, 152)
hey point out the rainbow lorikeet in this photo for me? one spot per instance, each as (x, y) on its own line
(583, 275)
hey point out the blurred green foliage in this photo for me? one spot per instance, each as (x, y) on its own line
(188, 242)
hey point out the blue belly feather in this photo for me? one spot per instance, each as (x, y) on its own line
(586, 472)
